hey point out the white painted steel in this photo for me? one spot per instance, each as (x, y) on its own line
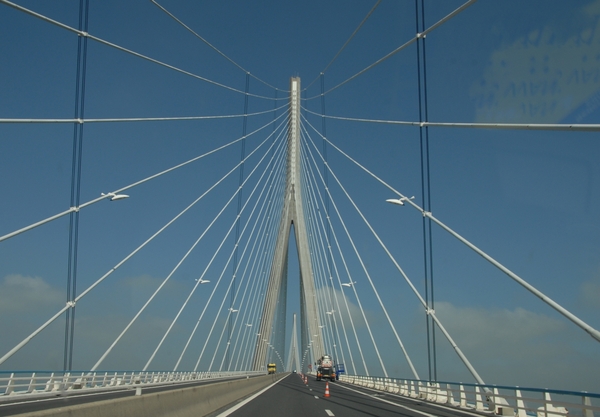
(504, 401)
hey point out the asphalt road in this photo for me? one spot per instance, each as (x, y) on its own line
(290, 397)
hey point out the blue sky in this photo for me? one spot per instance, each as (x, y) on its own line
(531, 199)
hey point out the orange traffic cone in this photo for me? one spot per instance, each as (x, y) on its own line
(326, 389)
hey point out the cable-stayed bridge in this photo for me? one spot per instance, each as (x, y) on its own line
(167, 209)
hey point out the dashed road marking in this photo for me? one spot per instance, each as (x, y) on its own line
(329, 413)
(316, 397)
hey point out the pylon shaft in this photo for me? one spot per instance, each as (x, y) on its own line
(292, 214)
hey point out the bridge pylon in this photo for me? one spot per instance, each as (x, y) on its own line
(292, 214)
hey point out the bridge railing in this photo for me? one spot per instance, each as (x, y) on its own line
(19, 384)
(491, 399)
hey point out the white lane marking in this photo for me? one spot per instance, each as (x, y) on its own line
(329, 413)
(431, 404)
(389, 402)
(316, 397)
(247, 400)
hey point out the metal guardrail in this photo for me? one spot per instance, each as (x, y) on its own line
(488, 399)
(15, 385)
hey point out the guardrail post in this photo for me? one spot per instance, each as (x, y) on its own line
(65, 381)
(478, 400)
(11, 385)
(521, 412)
(442, 396)
(31, 387)
(450, 396)
(50, 383)
(463, 397)
(587, 412)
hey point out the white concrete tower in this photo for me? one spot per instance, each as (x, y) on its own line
(293, 214)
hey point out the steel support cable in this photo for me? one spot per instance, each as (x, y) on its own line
(135, 184)
(364, 270)
(425, 191)
(348, 271)
(322, 77)
(330, 261)
(239, 202)
(414, 371)
(268, 295)
(325, 294)
(216, 285)
(247, 307)
(278, 190)
(566, 313)
(215, 254)
(346, 43)
(119, 264)
(318, 249)
(151, 298)
(337, 305)
(76, 185)
(268, 247)
(196, 325)
(509, 126)
(228, 318)
(429, 311)
(212, 46)
(401, 47)
(235, 292)
(140, 119)
(318, 279)
(182, 308)
(268, 227)
(122, 49)
(340, 285)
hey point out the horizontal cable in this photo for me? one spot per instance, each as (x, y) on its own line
(111, 194)
(129, 51)
(398, 49)
(140, 119)
(511, 126)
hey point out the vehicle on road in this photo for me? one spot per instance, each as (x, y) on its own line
(271, 368)
(325, 369)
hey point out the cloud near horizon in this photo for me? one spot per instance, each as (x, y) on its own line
(20, 293)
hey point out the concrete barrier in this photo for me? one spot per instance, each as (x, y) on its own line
(183, 402)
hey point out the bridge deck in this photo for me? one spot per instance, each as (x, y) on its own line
(291, 397)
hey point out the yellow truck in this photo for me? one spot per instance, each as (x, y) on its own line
(272, 368)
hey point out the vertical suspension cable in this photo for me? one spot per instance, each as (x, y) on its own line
(75, 186)
(239, 207)
(337, 307)
(324, 132)
(425, 187)
(428, 207)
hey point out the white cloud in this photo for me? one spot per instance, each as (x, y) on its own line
(480, 328)
(518, 347)
(19, 293)
(541, 77)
